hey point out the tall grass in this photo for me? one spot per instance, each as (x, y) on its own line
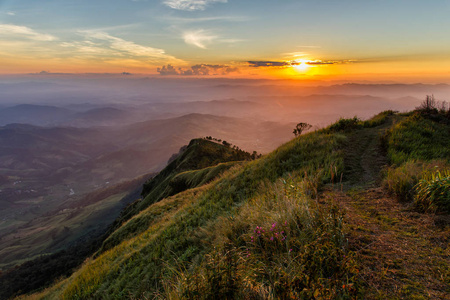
(418, 148)
(137, 265)
(433, 192)
(400, 181)
(281, 245)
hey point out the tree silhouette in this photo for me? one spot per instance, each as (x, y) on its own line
(429, 104)
(301, 127)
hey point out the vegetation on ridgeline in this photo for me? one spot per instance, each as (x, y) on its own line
(418, 147)
(307, 221)
(199, 155)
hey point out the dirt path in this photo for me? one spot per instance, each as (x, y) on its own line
(403, 254)
(364, 157)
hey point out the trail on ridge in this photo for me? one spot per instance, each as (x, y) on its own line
(403, 254)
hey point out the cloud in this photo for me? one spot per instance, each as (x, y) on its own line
(98, 42)
(281, 64)
(24, 32)
(319, 62)
(207, 19)
(199, 38)
(191, 5)
(125, 46)
(295, 54)
(265, 63)
(168, 70)
(11, 13)
(198, 70)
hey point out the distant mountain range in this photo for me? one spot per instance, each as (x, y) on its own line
(317, 109)
(45, 171)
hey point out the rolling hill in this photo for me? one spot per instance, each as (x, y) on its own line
(47, 171)
(98, 213)
(316, 218)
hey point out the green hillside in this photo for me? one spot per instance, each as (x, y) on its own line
(318, 218)
(197, 164)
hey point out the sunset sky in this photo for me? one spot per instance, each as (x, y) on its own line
(299, 39)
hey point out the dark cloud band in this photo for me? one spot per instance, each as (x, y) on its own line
(266, 63)
(269, 63)
(198, 70)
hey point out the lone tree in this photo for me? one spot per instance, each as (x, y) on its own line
(300, 128)
(429, 104)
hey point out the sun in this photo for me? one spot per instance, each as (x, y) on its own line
(300, 65)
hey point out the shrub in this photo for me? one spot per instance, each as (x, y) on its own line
(345, 125)
(429, 104)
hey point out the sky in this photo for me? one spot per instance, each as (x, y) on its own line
(296, 39)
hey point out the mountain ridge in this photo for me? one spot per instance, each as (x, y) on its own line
(277, 226)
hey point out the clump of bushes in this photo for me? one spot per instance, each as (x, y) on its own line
(345, 125)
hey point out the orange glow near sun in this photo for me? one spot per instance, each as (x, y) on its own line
(301, 65)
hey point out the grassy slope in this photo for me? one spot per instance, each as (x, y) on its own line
(207, 241)
(418, 148)
(183, 181)
(199, 154)
(175, 237)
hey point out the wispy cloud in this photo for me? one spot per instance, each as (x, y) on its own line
(198, 70)
(199, 38)
(207, 19)
(98, 42)
(295, 54)
(191, 5)
(124, 45)
(11, 13)
(202, 38)
(16, 31)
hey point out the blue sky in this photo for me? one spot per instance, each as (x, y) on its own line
(140, 35)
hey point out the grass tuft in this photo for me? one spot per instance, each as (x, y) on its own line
(433, 192)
